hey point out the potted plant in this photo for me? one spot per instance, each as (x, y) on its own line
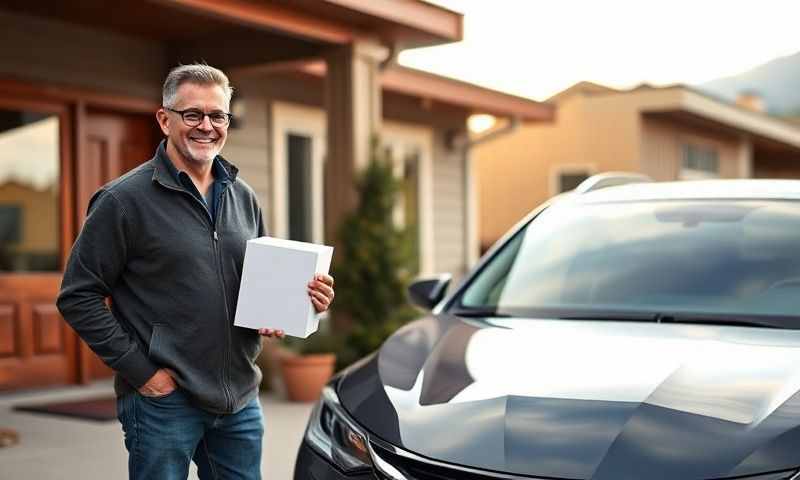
(307, 371)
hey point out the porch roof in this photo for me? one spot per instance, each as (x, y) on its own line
(692, 106)
(689, 106)
(450, 91)
(404, 23)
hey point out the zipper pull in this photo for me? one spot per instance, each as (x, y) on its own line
(216, 237)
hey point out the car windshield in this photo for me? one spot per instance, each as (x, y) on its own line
(648, 260)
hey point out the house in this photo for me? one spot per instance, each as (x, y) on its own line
(668, 133)
(79, 85)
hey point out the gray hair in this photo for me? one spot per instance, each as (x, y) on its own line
(197, 73)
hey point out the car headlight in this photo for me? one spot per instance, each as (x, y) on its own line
(332, 434)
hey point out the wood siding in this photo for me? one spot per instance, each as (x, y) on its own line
(449, 210)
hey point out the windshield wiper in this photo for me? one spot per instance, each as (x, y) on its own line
(731, 320)
(478, 313)
(622, 316)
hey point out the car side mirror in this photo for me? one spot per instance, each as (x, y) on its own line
(429, 291)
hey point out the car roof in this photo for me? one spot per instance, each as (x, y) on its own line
(694, 190)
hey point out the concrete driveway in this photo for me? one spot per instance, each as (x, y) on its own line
(61, 448)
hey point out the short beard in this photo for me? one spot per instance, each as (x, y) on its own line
(187, 154)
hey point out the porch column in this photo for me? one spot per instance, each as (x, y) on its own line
(471, 217)
(745, 157)
(353, 105)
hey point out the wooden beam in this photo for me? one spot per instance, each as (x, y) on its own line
(432, 19)
(54, 92)
(266, 16)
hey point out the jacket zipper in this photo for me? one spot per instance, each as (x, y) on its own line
(229, 347)
(214, 240)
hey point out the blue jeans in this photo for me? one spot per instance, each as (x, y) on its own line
(164, 434)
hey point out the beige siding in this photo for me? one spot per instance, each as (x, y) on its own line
(248, 145)
(661, 152)
(254, 143)
(593, 133)
(63, 53)
(515, 172)
(448, 208)
(449, 196)
(249, 148)
(662, 149)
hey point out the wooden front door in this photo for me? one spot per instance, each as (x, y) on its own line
(113, 143)
(36, 347)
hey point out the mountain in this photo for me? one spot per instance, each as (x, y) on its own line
(777, 81)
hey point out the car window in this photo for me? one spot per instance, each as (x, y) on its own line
(657, 256)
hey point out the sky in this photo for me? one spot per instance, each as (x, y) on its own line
(536, 48)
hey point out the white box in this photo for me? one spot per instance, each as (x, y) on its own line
(274, 288)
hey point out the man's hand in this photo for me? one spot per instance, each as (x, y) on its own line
(269, 332)
(159, 385)
(320, 289)
(321, 292)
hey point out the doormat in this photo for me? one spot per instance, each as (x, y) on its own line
(100, 409)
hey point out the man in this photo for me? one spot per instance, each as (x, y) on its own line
(166, 243)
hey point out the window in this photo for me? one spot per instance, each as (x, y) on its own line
(570, 180)
(29, 191)
(298, 163)
(300, 201)
(698, 162)
(406, 168)
(409, 148)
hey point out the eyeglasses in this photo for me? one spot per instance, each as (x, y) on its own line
(193, 117)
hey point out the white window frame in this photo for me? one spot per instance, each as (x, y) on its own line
(402, 138)
(294, 119)
(556, 171)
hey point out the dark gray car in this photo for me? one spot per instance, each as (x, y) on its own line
(638, 332)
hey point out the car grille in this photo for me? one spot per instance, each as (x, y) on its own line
(418, 468)
(414, 467)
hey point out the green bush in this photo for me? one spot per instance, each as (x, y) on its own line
(375, 263)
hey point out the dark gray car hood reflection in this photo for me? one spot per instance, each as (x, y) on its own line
(584, 399)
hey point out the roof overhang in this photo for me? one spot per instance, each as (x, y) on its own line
(472, 97)
(412, 23)
(431, 87)
(692, 107)
(257, 32)
(409, 23)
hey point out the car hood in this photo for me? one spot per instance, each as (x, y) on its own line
(585, 399)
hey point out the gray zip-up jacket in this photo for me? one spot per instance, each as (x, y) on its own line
(173, 278)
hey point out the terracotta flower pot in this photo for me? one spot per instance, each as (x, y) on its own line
(306, 375)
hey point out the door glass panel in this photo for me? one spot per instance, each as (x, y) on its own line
(300, 212)
(29, 191)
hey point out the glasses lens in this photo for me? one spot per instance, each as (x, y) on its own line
(218, 118)
(193, 117)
